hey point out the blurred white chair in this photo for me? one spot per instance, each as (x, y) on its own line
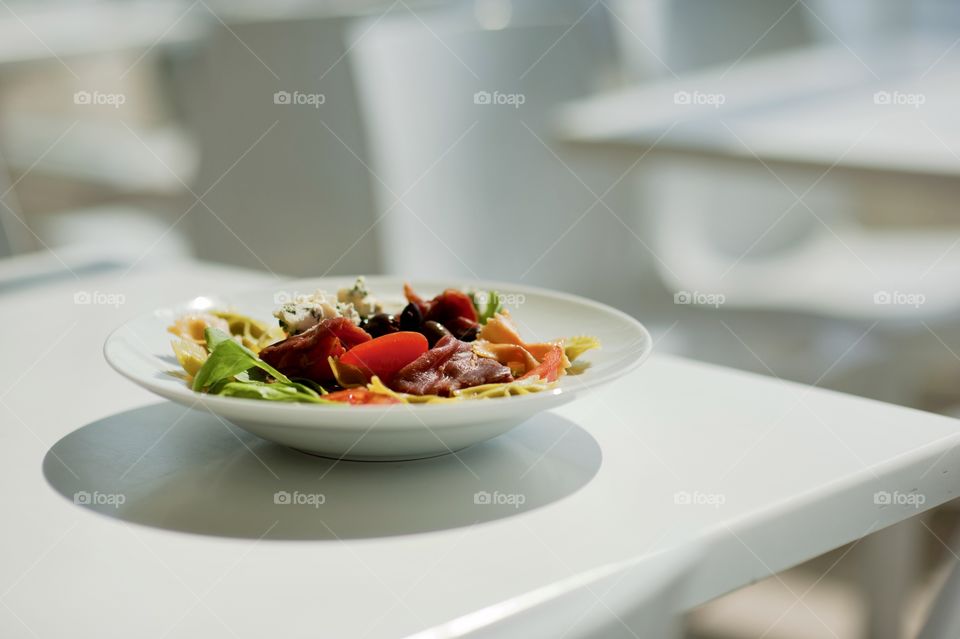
(836, 269)
(13, 235)
(60, 143)
(482, 195)
(640, 598)
(285, 188)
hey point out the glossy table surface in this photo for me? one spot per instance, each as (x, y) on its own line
(179, 532)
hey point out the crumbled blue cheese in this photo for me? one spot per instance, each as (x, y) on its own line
(306, 311)
(359, 297)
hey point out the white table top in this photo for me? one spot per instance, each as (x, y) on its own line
(888, 111)
(200, 549)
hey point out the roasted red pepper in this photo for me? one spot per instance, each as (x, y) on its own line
(387, 354)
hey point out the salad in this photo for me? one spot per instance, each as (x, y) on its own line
(350, 348)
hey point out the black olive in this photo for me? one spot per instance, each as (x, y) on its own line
(469, 334)
(410, 318)
(434, 332)
(381, 324)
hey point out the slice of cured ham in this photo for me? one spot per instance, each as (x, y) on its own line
(450, 365)
(305, 355)
(451, 308)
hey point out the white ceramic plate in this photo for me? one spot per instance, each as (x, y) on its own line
(140, 350)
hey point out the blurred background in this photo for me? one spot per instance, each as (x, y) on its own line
(768, 184)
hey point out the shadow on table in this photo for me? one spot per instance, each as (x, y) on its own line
(171, 467)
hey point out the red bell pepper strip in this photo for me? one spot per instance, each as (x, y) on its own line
(387, 354)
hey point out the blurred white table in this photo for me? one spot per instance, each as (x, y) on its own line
(872, 133)
(44, 32)
(761, 474)
(887, 113)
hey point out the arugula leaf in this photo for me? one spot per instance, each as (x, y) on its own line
(278, 392)
(308, 384)
(224, 362)
(213, 337)
(228, 359)
(233, 370)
